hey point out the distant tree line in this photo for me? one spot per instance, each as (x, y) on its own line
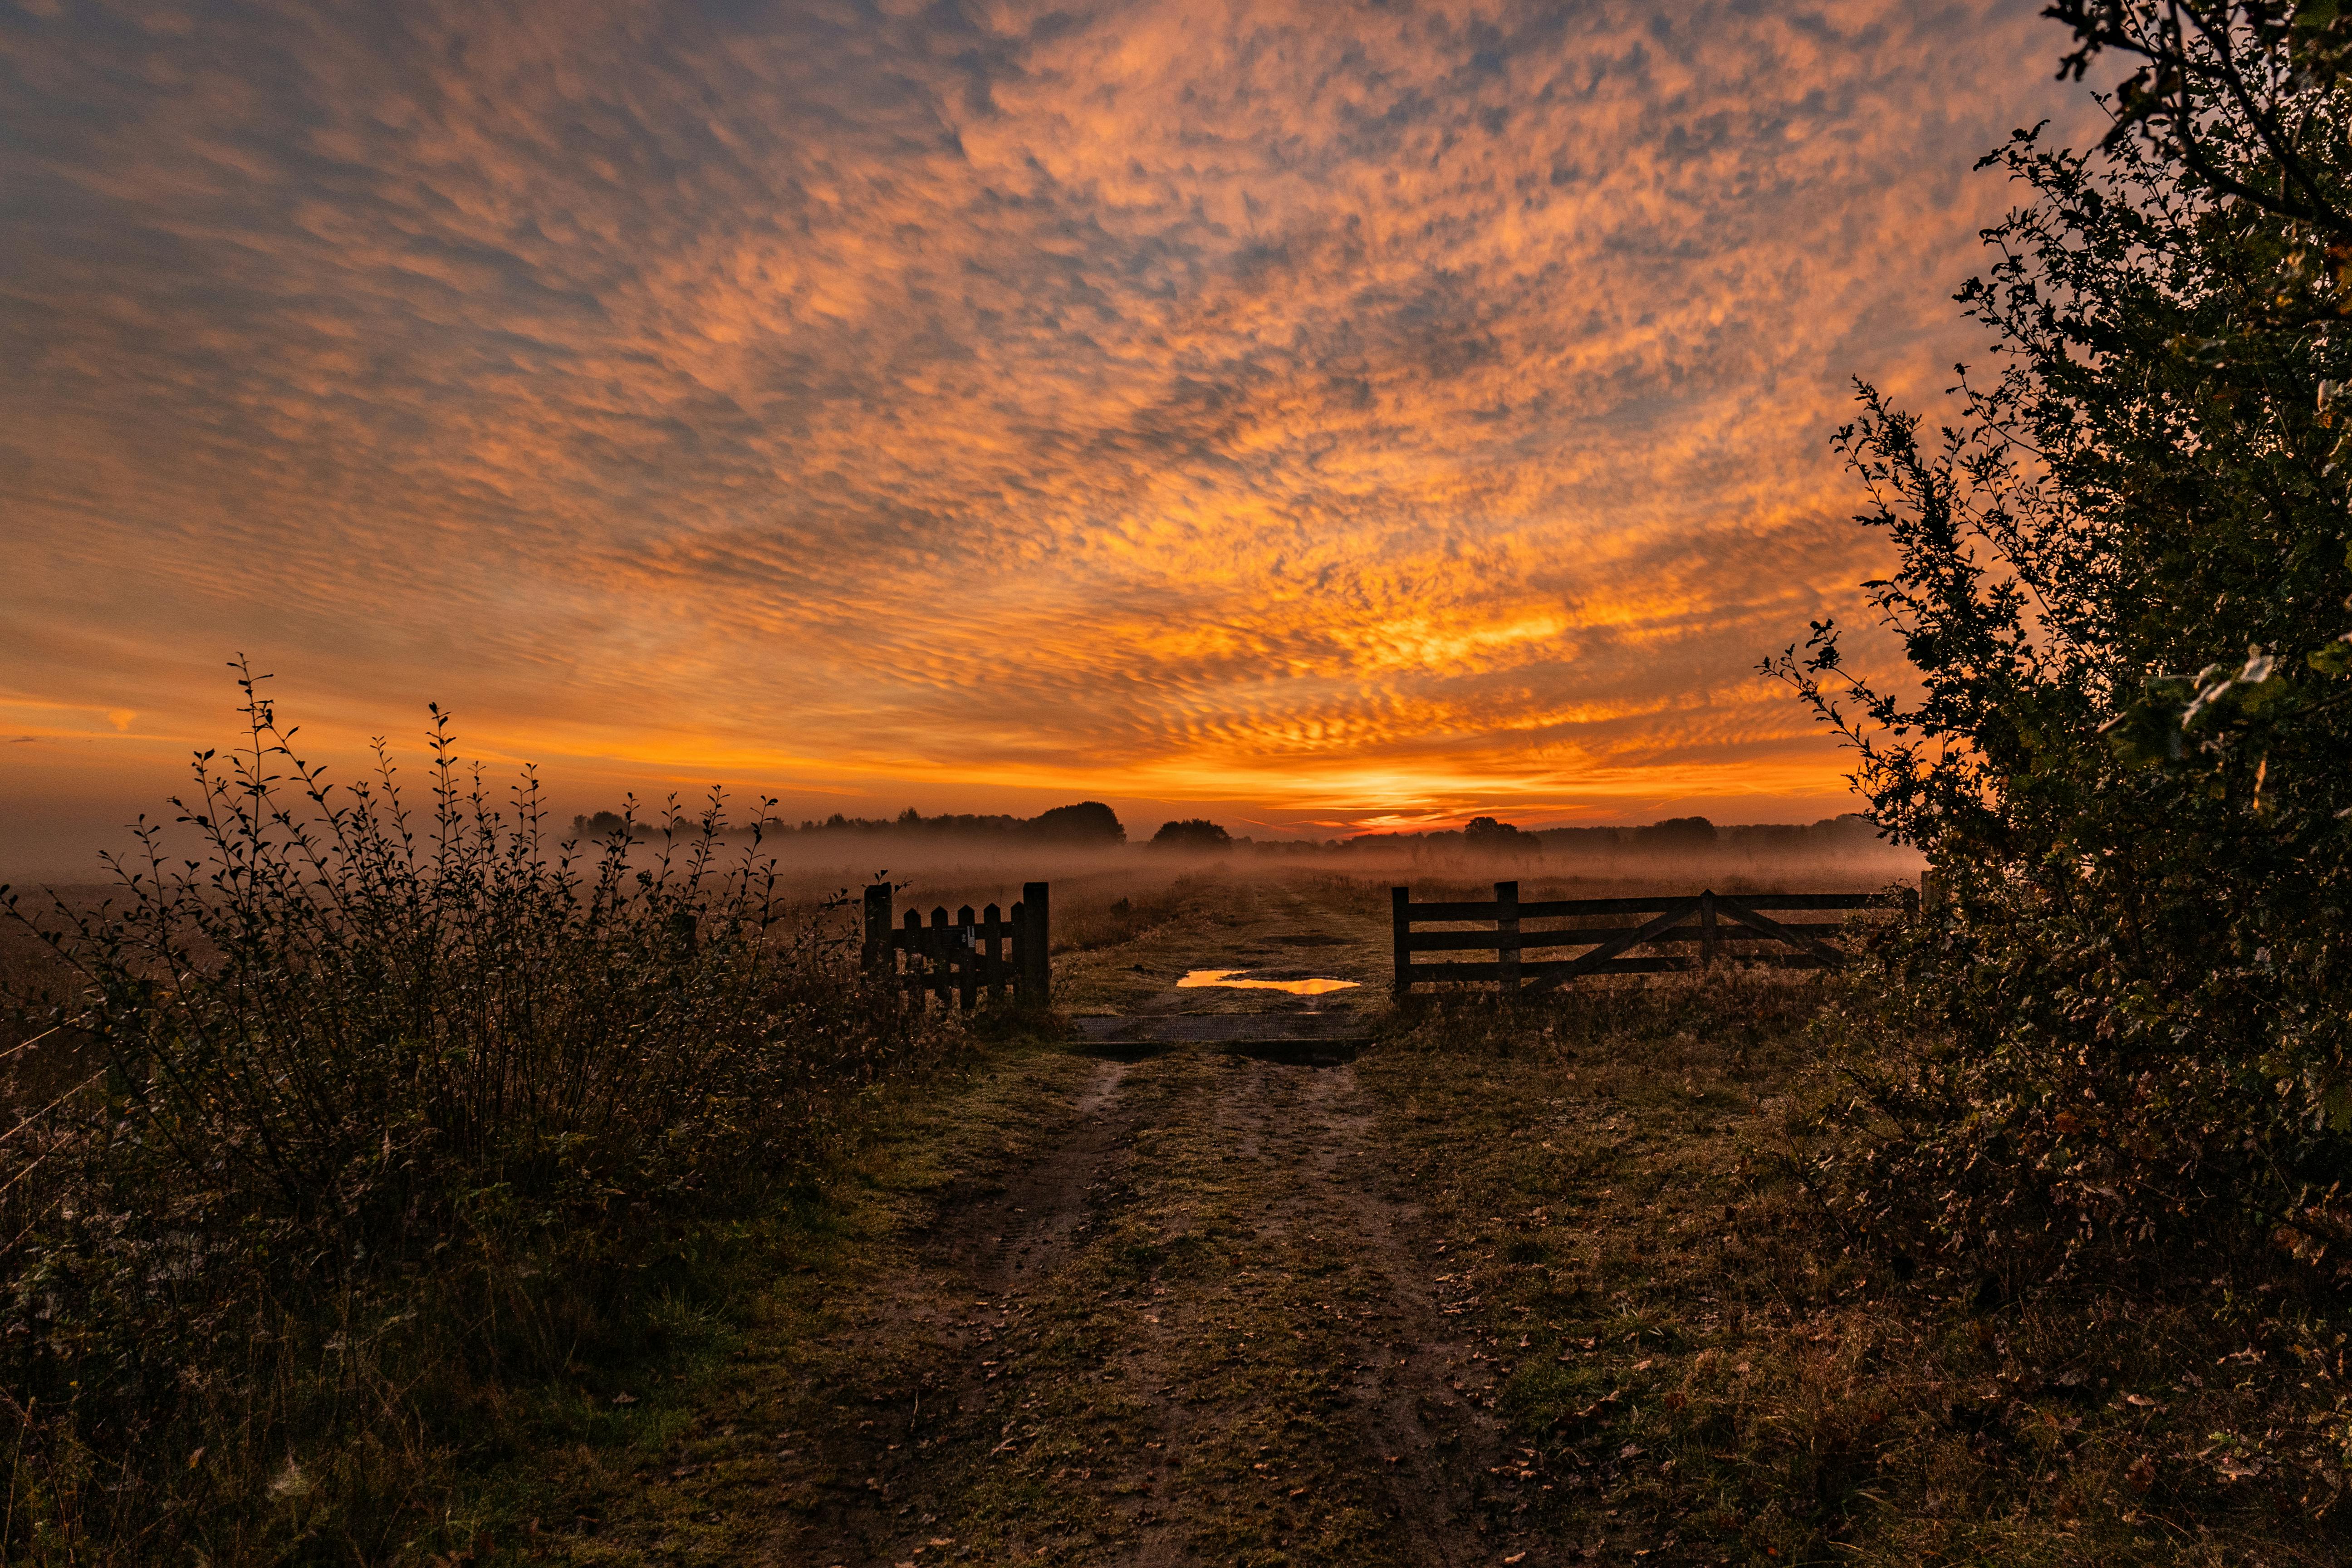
(1086, 821)
(1488, 836)
(1093, 822)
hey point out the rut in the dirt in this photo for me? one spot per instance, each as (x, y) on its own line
(1207, 1328)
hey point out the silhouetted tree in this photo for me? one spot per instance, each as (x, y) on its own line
(1485, 836)
(1197, 835)
(1676, 833)
(1087, 822)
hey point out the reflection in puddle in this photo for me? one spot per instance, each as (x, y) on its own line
(1201, 977)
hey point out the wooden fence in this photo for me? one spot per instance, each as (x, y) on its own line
(962, 960)
(1711, 921)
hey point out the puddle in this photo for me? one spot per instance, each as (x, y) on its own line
(1223, 977)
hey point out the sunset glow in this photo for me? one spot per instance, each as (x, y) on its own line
(1336, 418)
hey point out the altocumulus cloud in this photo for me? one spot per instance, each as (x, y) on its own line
(1357, 408)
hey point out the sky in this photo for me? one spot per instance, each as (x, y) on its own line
(1322, 417)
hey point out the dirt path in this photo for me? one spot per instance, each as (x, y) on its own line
(1168, 1311)
(1199, 1327)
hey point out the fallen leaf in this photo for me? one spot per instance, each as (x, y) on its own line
(2142, 1474)
(625, 1399)
(1515, 1557)
(2141, 1400)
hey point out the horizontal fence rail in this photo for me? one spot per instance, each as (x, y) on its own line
(960, 960)
(1719, 925)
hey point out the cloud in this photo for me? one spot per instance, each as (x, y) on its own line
(1343, 408)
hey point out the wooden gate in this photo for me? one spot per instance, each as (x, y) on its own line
(962, 960)
(1708, 920)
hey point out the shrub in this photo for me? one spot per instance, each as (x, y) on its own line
(1195, 834)
(2128, 1022)
(395, 1107)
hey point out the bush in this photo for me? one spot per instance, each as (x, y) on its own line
(2127, 1027)
(1196, 835)
(393, 1111)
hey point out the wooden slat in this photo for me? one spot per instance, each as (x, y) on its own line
(1463, 973)
(1732, 909)
(992, 940)
(1452, 911)
(967, 959)
(1615, 945)
(1570, 909)
(1573, 909)
(1425, 974)
(1818, 900)
(911, 943)
(1475, 941)
(1555, 909)
(1037, 982)
(1484, 940)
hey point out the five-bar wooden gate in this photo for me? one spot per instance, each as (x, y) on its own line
(1708, 920)
(962, 960)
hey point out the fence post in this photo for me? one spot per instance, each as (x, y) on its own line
(1400, 929)
(1038, 982)
(1709, 944)
(1507, 936)
(877, 931)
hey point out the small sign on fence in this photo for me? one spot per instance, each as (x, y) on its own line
(962, 960)
(1709, 920)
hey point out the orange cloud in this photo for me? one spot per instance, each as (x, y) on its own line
(1355, 413)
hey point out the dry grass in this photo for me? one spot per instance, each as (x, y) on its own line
(1704, 1366)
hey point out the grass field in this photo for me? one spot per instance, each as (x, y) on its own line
(1535, 1285)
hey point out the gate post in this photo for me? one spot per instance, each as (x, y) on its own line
(1037, 983)
(1507, 936)
(1709, 944)
(876, 957)
(1400, 931)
